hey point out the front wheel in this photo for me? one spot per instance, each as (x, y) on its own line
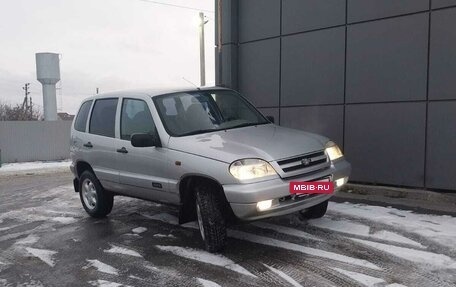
(314, 212)
(211, 222)
(96, 201)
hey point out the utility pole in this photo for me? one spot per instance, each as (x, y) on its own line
(25, 104)
(31, 109)
(202, 54)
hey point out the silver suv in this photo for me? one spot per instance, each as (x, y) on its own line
(208, 151)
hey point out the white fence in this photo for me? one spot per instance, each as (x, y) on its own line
(22, 141)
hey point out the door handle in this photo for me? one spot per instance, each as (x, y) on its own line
(89, 145)
(122, 150)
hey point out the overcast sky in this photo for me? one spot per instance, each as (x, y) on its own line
(109, 44)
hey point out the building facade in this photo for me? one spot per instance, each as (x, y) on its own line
(376, 76)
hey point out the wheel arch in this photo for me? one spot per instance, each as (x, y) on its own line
(80, 167)
(186, 186)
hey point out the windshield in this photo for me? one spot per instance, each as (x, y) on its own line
(205, 111)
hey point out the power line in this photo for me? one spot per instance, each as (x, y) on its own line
(177, 6)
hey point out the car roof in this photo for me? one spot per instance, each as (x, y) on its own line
(152, 92)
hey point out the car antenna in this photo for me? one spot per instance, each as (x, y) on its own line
(183, 78)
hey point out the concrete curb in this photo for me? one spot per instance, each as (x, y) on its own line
(414, 199)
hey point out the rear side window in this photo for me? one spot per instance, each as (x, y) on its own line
(81, 119)
(103, 119)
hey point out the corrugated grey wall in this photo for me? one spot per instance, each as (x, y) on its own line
(35, 140)
(376, 76)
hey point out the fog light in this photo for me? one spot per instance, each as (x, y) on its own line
(265, 204)
(341, 181)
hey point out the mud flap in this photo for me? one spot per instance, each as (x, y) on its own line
(76, 185)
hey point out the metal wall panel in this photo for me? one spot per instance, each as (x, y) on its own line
(229, 21)
(36, 140)
(324, 120)
(258, 19)
(385, 142)
(442, 66)
(309, 62)
(442, 3)
(229, 66)
(384, 108)
(362, 10)
(259, 64)
(304, 15)
(387, 60)
(441, 143)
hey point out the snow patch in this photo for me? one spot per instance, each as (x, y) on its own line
(101, 267)
(164, 217)
(135, 277)
(29, 240)
(8, 227)
(437, 228)
(284, 276)
(191, 224)
(32, 283)
(303, 249)
(64, 220)
(152, 268)
(25, 166)
(139, 230)
(286, 230)
(122, 250)
(205, 257)
(19, 166)
(345, 226)
(394, 237)
(366, 280)
(43, 254)
(207, 283)
(418, 256)
(158, 235)
(104, 283)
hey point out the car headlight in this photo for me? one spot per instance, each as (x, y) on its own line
(245, 169)
(333, 151)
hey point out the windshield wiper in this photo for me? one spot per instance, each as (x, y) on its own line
(246, 125)
(199, 132)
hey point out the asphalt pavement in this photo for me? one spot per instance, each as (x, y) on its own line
(46, 239)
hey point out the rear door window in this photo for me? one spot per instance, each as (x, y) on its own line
(103, 119)
(81, 119)
(135, 118)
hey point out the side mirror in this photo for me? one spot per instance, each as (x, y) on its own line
(270, 118)
(144, 140)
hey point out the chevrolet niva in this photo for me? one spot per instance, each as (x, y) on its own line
(207, 151)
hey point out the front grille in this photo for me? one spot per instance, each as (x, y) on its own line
(304, 163)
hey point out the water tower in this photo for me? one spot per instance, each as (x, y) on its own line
(48, 74)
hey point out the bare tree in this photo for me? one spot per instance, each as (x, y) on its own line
(17, 112)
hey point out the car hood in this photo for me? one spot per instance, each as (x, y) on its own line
(268, 142)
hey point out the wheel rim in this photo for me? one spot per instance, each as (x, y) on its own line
(200, 220)
(89, 194)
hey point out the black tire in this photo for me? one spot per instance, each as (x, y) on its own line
(211, 221)
(104, 200)
(317, 211)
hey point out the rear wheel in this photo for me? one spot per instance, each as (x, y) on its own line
(316, 211)
(96, 201)
(211, 221)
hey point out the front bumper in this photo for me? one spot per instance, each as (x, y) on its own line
(243, 198)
